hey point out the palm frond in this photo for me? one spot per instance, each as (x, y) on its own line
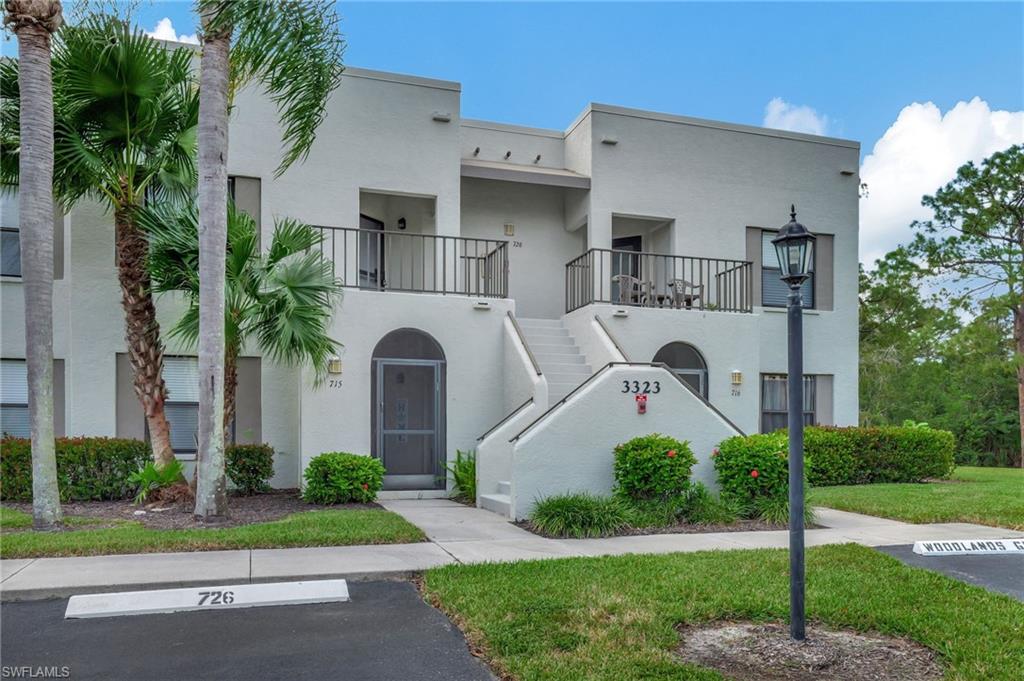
(293, 48)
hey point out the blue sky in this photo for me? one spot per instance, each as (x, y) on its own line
(853, 70)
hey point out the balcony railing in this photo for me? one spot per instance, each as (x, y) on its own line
(656, 280)
(416, 263)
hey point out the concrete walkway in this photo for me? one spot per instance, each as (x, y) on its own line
(457, 534)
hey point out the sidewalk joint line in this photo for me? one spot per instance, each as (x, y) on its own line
(30, 562)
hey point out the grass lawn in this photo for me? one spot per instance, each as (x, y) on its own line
(615, 618)
(988, 496)
(312, 528)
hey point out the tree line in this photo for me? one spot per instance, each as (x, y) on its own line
(942, 318)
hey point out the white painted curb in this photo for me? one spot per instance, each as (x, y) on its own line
(206, 598)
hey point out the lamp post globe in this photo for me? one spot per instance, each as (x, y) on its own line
(794, 247)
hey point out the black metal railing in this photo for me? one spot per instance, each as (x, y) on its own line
(603, 275)
(416, 263)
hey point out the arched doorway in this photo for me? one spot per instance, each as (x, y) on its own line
(407, 398)
(686, 362)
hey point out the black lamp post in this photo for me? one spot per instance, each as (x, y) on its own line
(794, 247)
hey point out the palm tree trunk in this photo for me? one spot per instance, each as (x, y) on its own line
(230, 385)
(211, 485)
(35, 203)
(142, 331)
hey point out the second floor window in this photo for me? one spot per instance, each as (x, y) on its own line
(774, 291)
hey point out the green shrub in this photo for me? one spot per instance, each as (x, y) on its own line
(775, 510)
(88, 468)
(751, 468)
(754, 468)
(652, 466)
(340, 478)
(249, 467)
(150, 478)
(579, 516)
(462, 473)
(701, 507)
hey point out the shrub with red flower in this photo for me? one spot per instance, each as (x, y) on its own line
(754, 473)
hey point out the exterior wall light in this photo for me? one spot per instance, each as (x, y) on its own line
(737, 378)
(610, 140)
(441, 117)
(334, 365)
(481, 305)
(621, 312)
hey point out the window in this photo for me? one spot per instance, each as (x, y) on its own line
(775, 402)
(14, 398)
(774, 291)
(10, 243)
(181, 376)
(10, 252)
(687, 363)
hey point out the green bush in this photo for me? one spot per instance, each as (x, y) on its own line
(150, 478)
(580, 515)
(753, 468)
(462, 473)
(88, 468)
(652, 466)
(695, 504)
(249, 467)
(340, 478)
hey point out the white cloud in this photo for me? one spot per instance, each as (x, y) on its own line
(919, 153)
(165, 31)
(782, 115)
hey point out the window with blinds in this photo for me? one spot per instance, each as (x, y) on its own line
(774, 291)
(181, 376)
(14, 398)
(775, 401)
(10, 237)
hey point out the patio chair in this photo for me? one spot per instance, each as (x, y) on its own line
(632, 291)
(686, 294)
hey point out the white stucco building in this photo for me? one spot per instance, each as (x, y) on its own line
(490, 271)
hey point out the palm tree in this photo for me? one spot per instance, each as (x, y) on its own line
(34, 23)
(126, 111)
(293, 49)
(282, 300)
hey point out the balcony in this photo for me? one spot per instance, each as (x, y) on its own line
(657, 280)
(378, 260)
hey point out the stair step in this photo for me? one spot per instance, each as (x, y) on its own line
(498, 503)
(550, 349)
(542, 333)
(561, 368)
(566, 379)
(562, 341)
(504, 487)
(560, 358)
(534, 321)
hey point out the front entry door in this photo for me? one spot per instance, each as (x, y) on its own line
(409, 439)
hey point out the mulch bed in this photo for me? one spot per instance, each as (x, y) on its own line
(258, 508)
(764, 652)
(680, 528)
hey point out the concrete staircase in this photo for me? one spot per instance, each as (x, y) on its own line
(501, 501)
(560, 360)
(563, 366)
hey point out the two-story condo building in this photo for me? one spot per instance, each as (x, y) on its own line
(535, 295)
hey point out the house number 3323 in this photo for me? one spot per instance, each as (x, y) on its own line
(641, 387)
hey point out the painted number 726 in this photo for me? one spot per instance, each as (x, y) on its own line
(216, 597)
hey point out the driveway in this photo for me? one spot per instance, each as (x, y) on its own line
(1004, 574)
(387, 632)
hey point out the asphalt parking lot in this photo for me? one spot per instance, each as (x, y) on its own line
(1004, 574)
(386, 632)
